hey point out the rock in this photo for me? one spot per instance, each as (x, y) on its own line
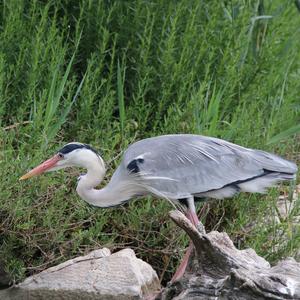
(220, 271)
(98, 275)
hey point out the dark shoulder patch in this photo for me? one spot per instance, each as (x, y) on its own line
(73, 146)
(133, 166)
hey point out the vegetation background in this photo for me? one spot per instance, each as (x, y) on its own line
(109, 73)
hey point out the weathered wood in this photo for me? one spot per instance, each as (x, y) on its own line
(221, 271)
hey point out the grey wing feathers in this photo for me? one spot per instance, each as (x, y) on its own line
(178, 166)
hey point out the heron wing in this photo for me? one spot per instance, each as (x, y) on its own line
(178, 166)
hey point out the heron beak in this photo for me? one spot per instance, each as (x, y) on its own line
(43, 167)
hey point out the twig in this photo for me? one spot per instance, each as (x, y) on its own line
(16, 125)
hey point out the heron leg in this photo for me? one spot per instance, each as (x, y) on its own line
(191, 213)
(192, 216)
(183, 265)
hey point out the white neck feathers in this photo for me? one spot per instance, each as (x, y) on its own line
(110, 195)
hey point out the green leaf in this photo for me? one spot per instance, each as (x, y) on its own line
(285, 134)
(120, 90)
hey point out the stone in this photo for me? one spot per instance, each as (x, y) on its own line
(98, 275)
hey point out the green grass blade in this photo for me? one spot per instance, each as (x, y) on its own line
(120, 93)
(49, 112)
(62, 119)
(285, 134)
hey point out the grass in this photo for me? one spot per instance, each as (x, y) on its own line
(110, 73)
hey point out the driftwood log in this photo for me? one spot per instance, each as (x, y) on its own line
(218, 270)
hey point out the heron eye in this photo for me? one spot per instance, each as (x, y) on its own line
(60, 155)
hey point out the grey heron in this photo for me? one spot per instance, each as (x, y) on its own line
(180, 168)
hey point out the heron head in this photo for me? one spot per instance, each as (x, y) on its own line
(72, 154)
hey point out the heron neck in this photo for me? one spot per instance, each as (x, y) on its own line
(105, 197)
